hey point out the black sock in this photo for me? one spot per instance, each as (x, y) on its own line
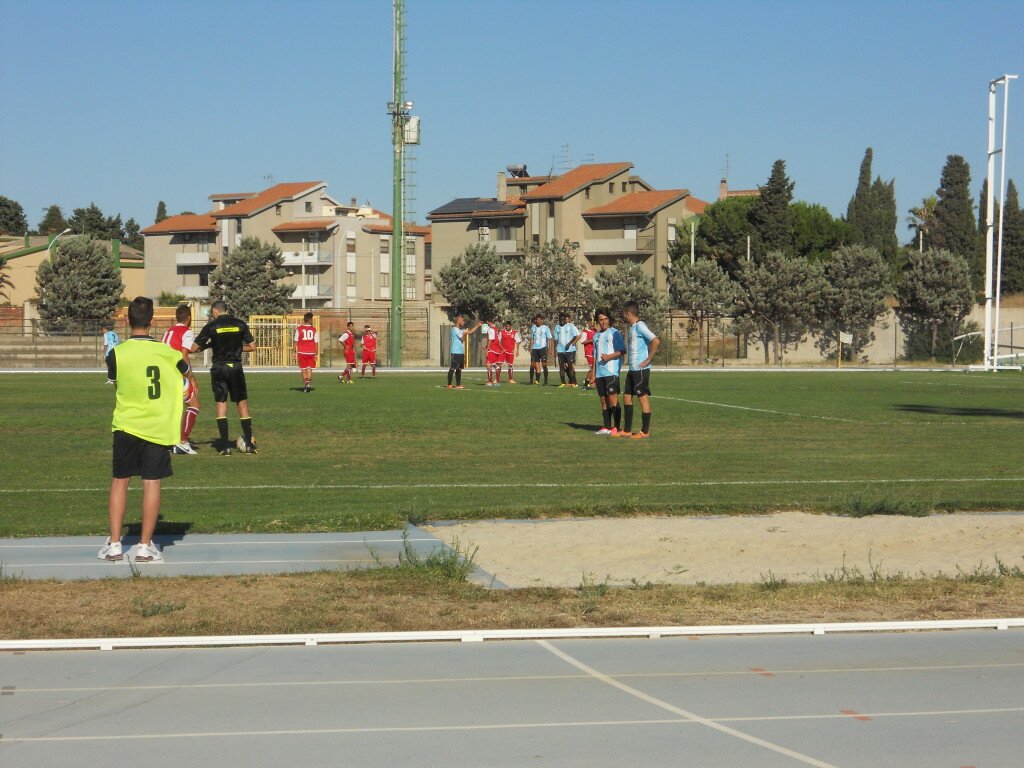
(646, 420)
(532, 374)
(458, 377)
(561, 373)
(450, 374)
(222, 427)
(572, 376)
(628, 426)
(617, 415)
(247, 430)
(606, 416)
(545, 375)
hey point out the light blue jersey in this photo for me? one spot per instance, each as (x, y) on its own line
(640, 337)
(564, 334)
(456, 345)
(606, 343)
(110, 340)
(540, 336)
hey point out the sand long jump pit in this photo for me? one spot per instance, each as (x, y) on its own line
(794, 546)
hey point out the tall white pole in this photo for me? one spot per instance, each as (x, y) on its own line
(989, 202)
(693, 234)
(1002, 209)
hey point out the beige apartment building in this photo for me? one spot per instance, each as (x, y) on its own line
(607, 212)
(335, 253)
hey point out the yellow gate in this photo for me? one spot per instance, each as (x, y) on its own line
(274, 337)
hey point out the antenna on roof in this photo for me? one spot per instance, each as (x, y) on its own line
(725, 171)
(565, 159)
(588, 158)
(269, 178)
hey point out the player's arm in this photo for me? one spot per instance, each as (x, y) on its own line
(202, 341)
(184, 368)
(652, 350)
(249, 345)
(618, 348)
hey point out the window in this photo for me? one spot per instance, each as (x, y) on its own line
(204, 277)
(385, 263)
(551, 209)
(187, 237)
(410, 292)
(427, 254)
(277, 209)
(410, 263)
(504, 231)
(611, 187)
(352, 278)
(536, 239)
(350, 244)
(238, 226)
(586, 193)
(385, 245)
(309, 207)
(623, 186)
(410, 245)
(385, 280)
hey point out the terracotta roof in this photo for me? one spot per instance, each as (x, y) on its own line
(186, 222)
(385, 229)
(308, 225)
(266, 198)
(639, 203)
(475, 207)
(576, 179)
(231, 195)
(742, 192)
(530, 179)
(429, 237)
(695, 204)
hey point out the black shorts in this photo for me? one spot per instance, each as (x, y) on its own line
(638, 383)
(607, 385)
(567, 358)
(135, 457)
(539, 355)
(228, 379)
(458, 361)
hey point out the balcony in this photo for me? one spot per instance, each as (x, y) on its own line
(309, 258)
(312, 292)
(193, 291)
(194, 258)
(619, 245)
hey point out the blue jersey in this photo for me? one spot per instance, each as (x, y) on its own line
(640, 337)
(606, 343)
(457, 346)
(110, 341)
(540, 335)
(564, 334)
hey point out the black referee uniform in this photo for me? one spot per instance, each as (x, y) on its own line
(226, 335)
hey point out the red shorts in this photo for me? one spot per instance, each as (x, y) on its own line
(306, 359)
(508, 357)
(494, 358)
(590, 360)
(350, 356)
(369, 358)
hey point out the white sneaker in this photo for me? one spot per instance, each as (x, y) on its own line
(110, 551)
(185, 448)
(603, 431)
(148, 553)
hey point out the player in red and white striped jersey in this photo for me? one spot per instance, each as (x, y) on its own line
(180, 337)
(307, 344)
(510, 340)
(369, 352)
(348, 343)
(495, 355)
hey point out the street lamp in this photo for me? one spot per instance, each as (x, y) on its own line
(49, 248)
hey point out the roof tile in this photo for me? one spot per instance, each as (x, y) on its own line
(638, 203)
(575, 180)
(186, 222)
(266, 198)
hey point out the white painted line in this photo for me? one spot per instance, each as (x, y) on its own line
(9, 544)
(758, 410)
(498, 486)
(172, 563)
(472, 635)
(686, 715)
(509, 679)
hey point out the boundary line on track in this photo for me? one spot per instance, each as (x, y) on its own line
(498, 486)
(685, 714)
(480, 635)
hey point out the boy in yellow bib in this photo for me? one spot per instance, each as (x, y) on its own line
(146, 423)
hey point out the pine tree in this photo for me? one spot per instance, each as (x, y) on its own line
(703, 291)
(53, 221)
(247, 280)
(771, 217)
(161, 212)
(549, 282)
(475, 283)
(12, 217)
(859, 281)
(1013, 242)
(133, 235)
(955, 228)
(628, 282)
(935, 291)
(81, 284)
(722, 234)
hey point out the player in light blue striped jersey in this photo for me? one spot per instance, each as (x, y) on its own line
(642, 344)
(609, 348)
(540, 335)
(567, 336)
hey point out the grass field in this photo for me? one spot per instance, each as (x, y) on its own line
(377, 453)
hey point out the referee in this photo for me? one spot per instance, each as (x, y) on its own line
(228, 337)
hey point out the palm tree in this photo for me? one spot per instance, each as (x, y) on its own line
(921, 218)
(5, 281)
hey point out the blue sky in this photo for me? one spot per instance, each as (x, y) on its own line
(127, 103)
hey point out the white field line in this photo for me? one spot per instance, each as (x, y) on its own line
(684, 714)
(174, 563)
(480, 635)
(501, 727)
(9, 544)
(758, 410)
(510, 486)
(513, 678)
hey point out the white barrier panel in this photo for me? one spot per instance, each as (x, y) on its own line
(479, 635)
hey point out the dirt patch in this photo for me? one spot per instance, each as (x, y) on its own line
(793, 546)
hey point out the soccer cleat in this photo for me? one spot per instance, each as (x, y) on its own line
(640, 435)
(562, 386)
(459, 386)
(184, 449)
(450, 386)
(511, 381)
(614, 432)
(621, 433)
(603, 431)
(111, 551)
(225, 451)
(341, 378)
(148, 553)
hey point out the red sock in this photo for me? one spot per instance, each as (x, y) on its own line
(363, 373)
(373, 370)
(187, 422)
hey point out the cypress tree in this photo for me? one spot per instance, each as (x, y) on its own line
(883, 220)
(161, 212)
(955, 228)
(1013, 242)
(857, 211)
(771, 217)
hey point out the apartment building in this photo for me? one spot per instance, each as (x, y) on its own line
(606, 211)
(335, 253)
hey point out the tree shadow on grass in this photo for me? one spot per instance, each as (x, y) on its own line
(942, 410)
(585, 427)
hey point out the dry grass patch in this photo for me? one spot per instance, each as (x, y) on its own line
(391, 600)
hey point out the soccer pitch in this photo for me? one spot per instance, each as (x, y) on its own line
(373, 454)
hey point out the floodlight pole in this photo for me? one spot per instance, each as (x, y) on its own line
(994, 252)
(399, 113)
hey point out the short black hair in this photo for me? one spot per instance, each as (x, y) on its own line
(182, 313)
(308, 317)
(508, 322)
(602, 311)
(220, 305)
(538, 317)
(140, 312)
(366, 327)
(349, 323)
(632, 307)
